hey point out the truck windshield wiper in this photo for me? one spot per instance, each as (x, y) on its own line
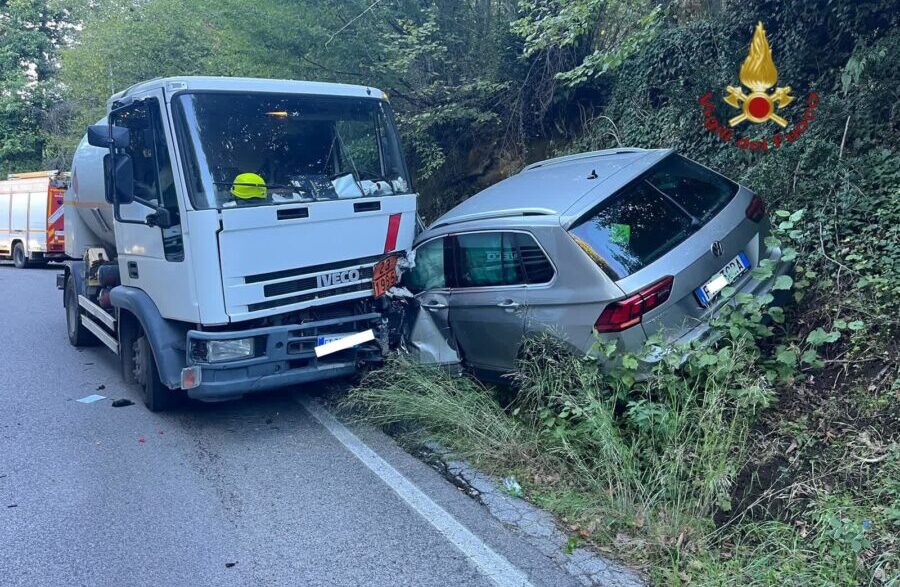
(346, 153)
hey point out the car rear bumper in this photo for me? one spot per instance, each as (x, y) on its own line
(285, 356)
(703, 334)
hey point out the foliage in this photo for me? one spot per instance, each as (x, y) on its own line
(31, 32)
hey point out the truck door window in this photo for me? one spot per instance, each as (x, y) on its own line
(152, 166)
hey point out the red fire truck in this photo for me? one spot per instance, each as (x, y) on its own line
(31, 217)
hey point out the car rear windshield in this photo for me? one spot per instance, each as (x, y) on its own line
(651, 215)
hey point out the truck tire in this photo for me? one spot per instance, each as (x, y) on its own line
(20, 259)
(157, 397)
(79, 336)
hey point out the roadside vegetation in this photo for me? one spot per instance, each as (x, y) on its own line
(723, 465)
(770, 458)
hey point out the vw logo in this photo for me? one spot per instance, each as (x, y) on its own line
(717, 249)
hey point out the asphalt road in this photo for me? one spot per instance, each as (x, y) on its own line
(253, 492)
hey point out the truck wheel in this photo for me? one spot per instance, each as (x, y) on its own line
(157, 397)
(78, 335)
(19, 258)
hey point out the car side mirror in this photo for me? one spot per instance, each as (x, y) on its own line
(106, 136)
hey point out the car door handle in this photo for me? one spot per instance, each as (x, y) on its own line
(434, 306)
(509, 304)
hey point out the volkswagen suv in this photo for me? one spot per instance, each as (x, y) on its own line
(619, 243)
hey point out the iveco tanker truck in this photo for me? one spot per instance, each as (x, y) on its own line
(234, 235)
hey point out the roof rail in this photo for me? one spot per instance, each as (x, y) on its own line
(509, 213)
(577, 156)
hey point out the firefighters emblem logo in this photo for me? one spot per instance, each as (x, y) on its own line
(758, 73)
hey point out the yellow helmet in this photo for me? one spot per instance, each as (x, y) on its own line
(248, 185)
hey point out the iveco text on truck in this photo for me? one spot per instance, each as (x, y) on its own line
(235, 235)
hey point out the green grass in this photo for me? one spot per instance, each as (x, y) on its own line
(657, 470)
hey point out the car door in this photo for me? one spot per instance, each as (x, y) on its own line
(429, 334)
(488, 299)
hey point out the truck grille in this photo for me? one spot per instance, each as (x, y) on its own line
(308, 286)
(271, 276)
(307, 283)
(316, 295)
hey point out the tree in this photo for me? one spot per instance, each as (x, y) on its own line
(31, 33)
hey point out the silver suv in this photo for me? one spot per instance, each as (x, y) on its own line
(623, 243)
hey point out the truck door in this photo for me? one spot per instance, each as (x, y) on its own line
(151, 258)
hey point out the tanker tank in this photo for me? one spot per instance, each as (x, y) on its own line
(89, 217)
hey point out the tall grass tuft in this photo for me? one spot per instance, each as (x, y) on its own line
(647, 451)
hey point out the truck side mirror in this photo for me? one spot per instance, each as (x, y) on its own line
(119, 178)
(106, 136)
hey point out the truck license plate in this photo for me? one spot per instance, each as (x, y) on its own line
(334, 343)
(325, 339)
(384, 276)
(722, 278)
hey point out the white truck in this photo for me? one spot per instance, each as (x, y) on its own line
(235, 234)
(31, 218)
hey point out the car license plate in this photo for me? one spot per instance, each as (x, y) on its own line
(384, 275)
(722, 278)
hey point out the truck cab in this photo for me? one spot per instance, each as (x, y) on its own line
(230, 229)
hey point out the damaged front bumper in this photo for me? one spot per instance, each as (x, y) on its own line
(282, 356)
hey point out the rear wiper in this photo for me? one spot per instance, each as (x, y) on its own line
(695, 222)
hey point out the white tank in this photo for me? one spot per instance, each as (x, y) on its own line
(89, 217)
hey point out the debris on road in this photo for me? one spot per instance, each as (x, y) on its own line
(13, 505)
(91, 398)
(142, 440)
(101, 387)
(121, 403)
(512, 486)
(229, 565)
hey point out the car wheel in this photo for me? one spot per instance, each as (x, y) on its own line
(157, 397)
(19, 258)
(79, 336)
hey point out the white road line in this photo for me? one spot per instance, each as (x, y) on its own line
(490, 563)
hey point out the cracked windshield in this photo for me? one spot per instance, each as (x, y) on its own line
(253, 149)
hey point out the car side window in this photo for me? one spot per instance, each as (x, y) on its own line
(535, 264)
(486, 259)
(428, 272)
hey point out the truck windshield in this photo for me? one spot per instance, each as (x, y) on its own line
(266, 149)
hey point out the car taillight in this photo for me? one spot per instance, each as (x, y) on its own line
(756, 211)
(623, 314)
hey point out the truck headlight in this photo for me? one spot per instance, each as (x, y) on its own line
(217, 351)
